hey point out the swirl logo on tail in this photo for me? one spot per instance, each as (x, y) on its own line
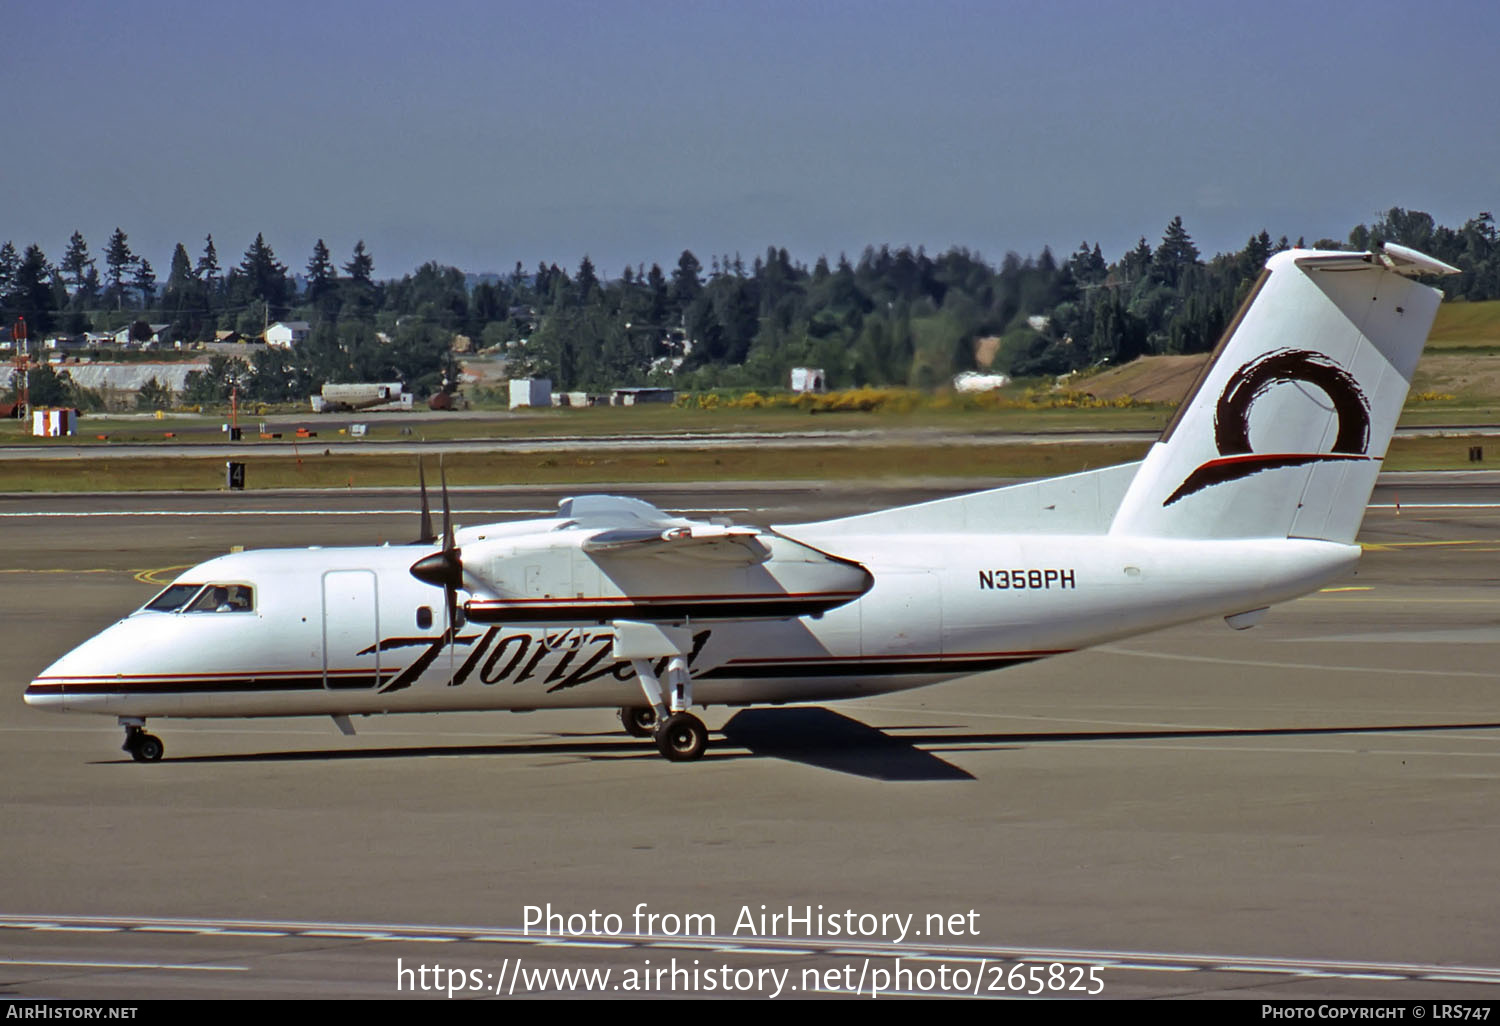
(1232, 418)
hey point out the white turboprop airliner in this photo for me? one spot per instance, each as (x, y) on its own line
(1252, 496)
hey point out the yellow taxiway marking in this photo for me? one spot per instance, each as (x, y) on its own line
(150, 576)
(1387, 546)
(1406, 601)
(96, 570)
(1325, 591)
(144, 576)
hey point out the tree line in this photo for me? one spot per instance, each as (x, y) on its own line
(893, 317)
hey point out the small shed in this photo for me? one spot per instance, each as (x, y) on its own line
(809, 379)
(641, 396)
(530, 392)
(54, 421)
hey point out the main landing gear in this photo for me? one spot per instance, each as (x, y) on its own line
(680, 736)
(143, 747)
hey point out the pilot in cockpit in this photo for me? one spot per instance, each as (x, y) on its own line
(236, 599)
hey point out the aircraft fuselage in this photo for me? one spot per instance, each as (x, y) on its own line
(341, 631)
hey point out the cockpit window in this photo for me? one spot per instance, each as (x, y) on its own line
(172, 598)
(224, 598)
(203, 598)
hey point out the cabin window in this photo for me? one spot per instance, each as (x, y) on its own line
(224, 598)
(172, 598)
(424, 617)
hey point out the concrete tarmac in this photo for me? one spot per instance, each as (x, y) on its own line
(1308, 809)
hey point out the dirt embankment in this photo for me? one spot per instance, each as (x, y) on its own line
(1156, 379)
(1168, 378)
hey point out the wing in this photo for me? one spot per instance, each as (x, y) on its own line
(731, 546)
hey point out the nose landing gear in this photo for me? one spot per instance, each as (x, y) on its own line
(143, 747)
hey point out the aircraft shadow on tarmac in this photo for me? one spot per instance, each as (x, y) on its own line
(825, 739)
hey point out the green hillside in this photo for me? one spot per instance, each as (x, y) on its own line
(1466, 326)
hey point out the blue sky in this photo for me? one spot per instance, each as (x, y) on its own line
(482, 133)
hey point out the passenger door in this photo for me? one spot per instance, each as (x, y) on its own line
(351, 629)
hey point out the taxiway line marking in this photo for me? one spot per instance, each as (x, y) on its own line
(169, 966)
(1178, 657)
(1433, 505)
(803, 946)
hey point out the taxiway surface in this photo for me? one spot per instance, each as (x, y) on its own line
(1306, 809)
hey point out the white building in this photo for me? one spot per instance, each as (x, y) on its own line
(809, 379)
(285, 334)
(973, 381)
(157, 335)
(530, 392)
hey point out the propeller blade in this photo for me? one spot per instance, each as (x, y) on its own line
(444, 568)
(447, 518)
(452, 556)
(427, 537)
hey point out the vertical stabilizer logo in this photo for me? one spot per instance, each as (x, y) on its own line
(1250, 382)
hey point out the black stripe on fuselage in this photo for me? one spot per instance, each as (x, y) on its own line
(733, 671)
(860, 668)
(202, 687)
(733, 609)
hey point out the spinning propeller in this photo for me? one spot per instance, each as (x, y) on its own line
(444, 568)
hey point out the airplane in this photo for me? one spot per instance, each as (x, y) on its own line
(1252, 496)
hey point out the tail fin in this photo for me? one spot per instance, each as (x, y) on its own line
(1285, 431)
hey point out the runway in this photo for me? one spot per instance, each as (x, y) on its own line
(327, 434)
(1307, 809)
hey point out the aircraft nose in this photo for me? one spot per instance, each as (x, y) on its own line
(44, 693)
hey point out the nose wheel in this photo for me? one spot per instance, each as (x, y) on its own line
(143, 747)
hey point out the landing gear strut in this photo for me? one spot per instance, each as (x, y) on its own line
(680, 736)
(143, 747)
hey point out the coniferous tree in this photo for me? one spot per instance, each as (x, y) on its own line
(587, 281)
(32, 294)
(90, 291)
(208, 273)
(76, 263)
(1137, 263)
(685, 281)
(261, 276)
(182, 299)
(320, 274)
(359, 288)
(144, 281)
(208, 264)
(1175, 254)
(117, 259)
(361, 266)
